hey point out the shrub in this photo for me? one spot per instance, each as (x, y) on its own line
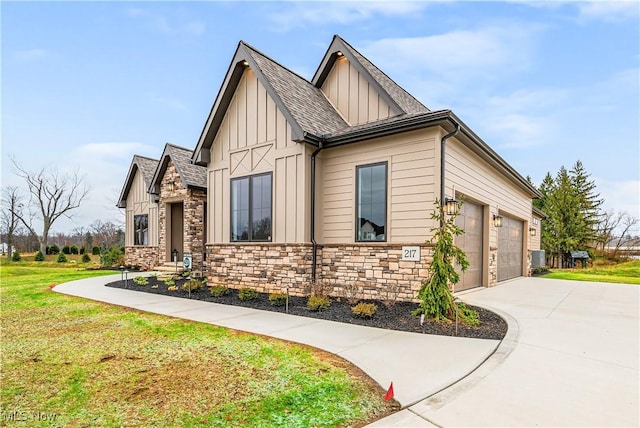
(66, 249)
(170, 283)
(86, 258)
(316, 303)
(351, 291)
(364, 310)
(186, 274)
(192, 285)
(320, 288)
(219, 290)
(39, 256)
(247, 294)
(140, 280)
(95, 251)
(54, 249)
(73, 249)
(391, 294)
(278, 299)
(83, 250)
(62, 258)
(468, 316)
(16, 256)
(172, 288)
(114, 256)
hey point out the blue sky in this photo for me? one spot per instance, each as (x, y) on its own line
(88, 84)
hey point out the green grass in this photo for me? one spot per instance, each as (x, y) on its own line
(93, 364)
(623, 273)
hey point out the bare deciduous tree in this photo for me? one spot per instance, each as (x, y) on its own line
(53, 194)
(625, 237)
(11, 208)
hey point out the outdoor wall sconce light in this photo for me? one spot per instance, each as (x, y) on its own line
(497, 220)
(339, 53)
(532, 231)
(172, 185)
(450, 206)
(245, 63)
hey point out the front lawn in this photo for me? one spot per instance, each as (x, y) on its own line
(90, 364)
(625, 273)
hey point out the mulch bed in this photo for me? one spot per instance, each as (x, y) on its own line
(396, 317)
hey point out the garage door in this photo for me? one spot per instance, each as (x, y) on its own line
(470, 220)
(510, 248)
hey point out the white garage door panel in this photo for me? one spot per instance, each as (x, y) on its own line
(471, 221)
(510, 237)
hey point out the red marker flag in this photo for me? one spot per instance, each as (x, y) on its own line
(389, 395)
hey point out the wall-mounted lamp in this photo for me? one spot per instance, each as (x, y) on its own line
(497, 220)
(171, 185)
(245, 63)
(532, 231)
(339, 54)
(450, 206)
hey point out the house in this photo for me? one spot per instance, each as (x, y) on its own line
(334, 180)
(331, 179)
(165, 202)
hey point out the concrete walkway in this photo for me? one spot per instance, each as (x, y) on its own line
(418, 365)
(570, 358)
(574, 361)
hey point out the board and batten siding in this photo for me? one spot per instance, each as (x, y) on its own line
(254, 137)
(139, 201)
(410, 187)
(352, 95)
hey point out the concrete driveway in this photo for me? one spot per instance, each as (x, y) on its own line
(572, 359)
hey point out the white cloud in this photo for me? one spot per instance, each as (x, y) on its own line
(179, 25)
(457, 53)
(619, 196)
(610, 11)
(302, 14)
(29, 55)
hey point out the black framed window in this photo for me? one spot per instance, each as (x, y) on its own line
(371, 202)
(141, 229)
(251, 208)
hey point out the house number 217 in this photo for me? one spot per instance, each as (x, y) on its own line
(411, 253)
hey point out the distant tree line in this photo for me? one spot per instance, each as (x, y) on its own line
(575, 219)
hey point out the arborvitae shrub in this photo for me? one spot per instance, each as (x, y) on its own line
(39, 256)
(16, 256)
(61, 258)
(86, 258)
(66, 249)
(73, 249)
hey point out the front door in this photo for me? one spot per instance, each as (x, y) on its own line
(175, 231)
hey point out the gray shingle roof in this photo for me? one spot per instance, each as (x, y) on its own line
(306, 103)
(191, 175)
(147, 168)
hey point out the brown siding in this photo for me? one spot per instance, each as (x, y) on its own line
(255, 138)
(352, 96)
(140, 202)
(411, 170)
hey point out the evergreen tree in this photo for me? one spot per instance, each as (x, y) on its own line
(589, 203)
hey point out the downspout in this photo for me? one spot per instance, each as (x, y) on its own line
(313, 211)
(442, 165)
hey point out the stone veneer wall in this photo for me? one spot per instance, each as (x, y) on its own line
(266, 267)
(193, 214)
(145, 257)
(375, 269)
